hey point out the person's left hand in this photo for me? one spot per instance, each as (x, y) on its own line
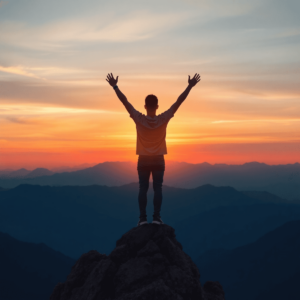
(111, 80)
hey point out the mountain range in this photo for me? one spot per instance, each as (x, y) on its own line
(248, 241)
(266, 269)
(24, 173)
(76, 219)
(281, 180)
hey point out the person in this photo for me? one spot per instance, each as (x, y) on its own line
(151, 144)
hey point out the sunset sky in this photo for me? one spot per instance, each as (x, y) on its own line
(56, 109)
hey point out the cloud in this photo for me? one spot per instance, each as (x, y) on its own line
(257, 120)
(18, 70)
(58, 35)
(22, 120)
(13, 112)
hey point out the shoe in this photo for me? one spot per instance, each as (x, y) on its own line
(157, 220)
(142, 221)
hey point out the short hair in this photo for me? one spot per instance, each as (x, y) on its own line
(151, 101)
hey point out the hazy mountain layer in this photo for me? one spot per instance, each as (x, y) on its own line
(232, 226)
(25, 174)
(281, 180)
(30, 271)
(75, 220)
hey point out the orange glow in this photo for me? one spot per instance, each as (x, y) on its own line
(270, 153)
(208, 127)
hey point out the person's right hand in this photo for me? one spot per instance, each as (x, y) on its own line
(194, 80)
(111, 80)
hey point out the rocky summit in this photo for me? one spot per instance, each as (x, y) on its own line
(148, 263)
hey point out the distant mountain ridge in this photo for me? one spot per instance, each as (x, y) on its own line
(24, 173)
(111, 174)
(281, 180)
(30, 271)
(38, 172)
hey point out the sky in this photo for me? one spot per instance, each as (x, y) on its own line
(56, 109)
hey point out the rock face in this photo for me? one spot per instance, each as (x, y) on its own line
(148, 263)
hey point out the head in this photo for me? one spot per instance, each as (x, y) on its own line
(151, 103)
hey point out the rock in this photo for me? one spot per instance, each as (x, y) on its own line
(213, 291)
(148, 263)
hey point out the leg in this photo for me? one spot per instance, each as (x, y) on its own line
(144, 176)
(158, 177)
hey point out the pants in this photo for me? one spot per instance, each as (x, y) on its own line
(146, 166)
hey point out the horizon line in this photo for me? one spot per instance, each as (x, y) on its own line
(90, 165)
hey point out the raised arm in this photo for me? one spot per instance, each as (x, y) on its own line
(192, 82)
(113, 82)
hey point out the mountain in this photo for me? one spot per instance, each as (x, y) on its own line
(148, 263)
(16, 174)
(263, 196)
(39, 172)
(260, 269)
(30, 271)
(69, 219)
(23, 173)
(63, 169)
(75, 219)
(281, 180)
(5, 171)
(110, 173)
(232, 226)
(288, 290)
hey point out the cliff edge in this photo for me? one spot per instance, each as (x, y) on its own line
(148, 263)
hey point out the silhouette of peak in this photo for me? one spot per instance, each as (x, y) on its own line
(39, 172)
(18, 173)
(205, 164)
(148, 263)
(254, 164)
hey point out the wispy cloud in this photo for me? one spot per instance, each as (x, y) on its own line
(22, 120)
(257, 120)
(22, 110)
(18, 70)
(56, 75)
(58, 34)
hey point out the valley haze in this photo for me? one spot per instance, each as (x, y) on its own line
(280, 180)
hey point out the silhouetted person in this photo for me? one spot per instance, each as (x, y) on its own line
(151, 144)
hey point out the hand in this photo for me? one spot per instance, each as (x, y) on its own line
(194, 80)
(111, 80)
